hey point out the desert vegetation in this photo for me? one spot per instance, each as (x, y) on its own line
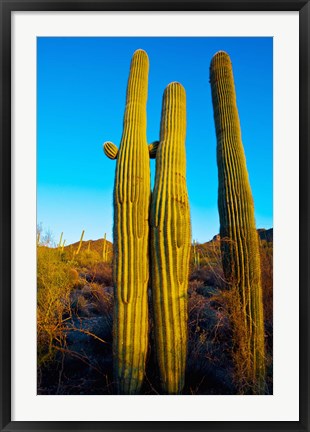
(75, 322)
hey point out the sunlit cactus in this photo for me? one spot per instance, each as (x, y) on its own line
(153, 149)
(196, 255)
(110, 150)
(60, 240)
(105, 249)
(239, 238)
(131, 233)
(80, 244)
(171, 242)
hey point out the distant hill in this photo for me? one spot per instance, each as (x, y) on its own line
(97, 245)
(93, 245)
(264, 234)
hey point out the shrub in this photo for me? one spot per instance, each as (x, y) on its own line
(266, 254)
(86, 258)
(55, 281)
(101, 273)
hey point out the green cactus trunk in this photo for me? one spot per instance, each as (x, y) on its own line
(239, 238)
(171, 242)
(131, 233)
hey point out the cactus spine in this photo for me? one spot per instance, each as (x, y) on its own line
(171, 242)
(131, 231)
(239, 238)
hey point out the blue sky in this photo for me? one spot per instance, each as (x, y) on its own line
(81, 88)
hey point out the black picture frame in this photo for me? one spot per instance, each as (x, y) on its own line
(6, 8)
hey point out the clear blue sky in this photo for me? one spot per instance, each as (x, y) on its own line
(81, 87)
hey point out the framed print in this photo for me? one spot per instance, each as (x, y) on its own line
(154, 182)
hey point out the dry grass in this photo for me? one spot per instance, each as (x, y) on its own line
(70, 313)
(55, 282)
(209, 365)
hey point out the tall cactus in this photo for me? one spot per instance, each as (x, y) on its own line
(104, 249)
(239, 238)
(60, 240)
(131, 232)
(196, 255)
(171, 242)
(80, 244)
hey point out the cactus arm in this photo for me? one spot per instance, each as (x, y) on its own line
(171, 242)
(153, 149)
(239, 239)
(131, 232)
(110, 150)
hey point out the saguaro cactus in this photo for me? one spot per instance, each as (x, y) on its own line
(171, 242)
(239, 238)
(80, 244)
(131, 232)
(104, 249)
(60, 240)
(196, 255)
